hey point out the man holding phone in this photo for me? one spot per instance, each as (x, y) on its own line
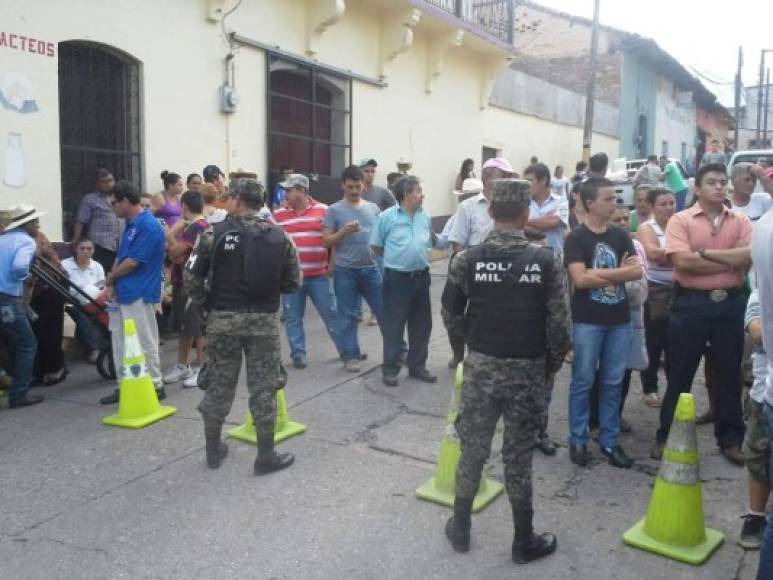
(347, 228)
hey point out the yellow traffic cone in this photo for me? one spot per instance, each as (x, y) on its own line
(284, 428)
(138, 403)
(441, 488)
(674, 526)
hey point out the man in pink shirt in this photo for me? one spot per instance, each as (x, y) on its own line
(708, 244)
(301, 219)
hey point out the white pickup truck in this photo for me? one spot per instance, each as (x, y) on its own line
(623, 179)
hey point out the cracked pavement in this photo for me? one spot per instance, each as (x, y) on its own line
(82, 500)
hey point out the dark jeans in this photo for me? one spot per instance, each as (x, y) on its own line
(105, 257)
(593, 422)
(406, 301)
(696, 320)
(89, 335)
(656, 333)
(48, 304)
(15, 325)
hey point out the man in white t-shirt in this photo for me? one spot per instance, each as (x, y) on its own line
(753, 205)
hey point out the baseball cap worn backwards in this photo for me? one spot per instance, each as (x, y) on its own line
(295, 180)
(510, 190)
(210, 172)
(367, 162)
(499, 163)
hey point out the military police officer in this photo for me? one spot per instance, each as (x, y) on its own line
(237, 273)
(511, 298)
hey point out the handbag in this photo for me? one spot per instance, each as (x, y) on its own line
(659, 301)
(638, 359)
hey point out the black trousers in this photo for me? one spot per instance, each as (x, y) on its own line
(656, 334)
(406, 303)
(48, 329)
(105, 257)
(696, 320)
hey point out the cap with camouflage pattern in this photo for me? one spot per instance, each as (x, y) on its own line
(510, 190)
(295, 180)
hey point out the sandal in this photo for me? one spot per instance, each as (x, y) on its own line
(651, 400)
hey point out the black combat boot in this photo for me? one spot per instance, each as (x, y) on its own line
(528, 546)
(216, 450)
(269, 460)
(458, 527)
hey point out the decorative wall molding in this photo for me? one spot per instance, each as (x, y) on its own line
(396, 36)
(437, 48)
(320, 16)
(488, 75)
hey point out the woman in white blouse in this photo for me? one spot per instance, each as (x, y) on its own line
(89, 275)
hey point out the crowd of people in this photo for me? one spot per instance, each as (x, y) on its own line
(544, 270)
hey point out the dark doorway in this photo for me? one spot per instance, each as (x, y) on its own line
(309, 124)
(99, 120)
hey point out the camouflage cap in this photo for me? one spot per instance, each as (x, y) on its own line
(295, 180)
(510, 190)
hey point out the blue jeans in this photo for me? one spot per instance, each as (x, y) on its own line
(350, 285)
(318, 289)
(765, 570)
(86, 331)
(604, 349)
(15, 325)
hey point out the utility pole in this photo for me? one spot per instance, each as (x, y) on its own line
(738, 85)
(759, 95)
(767, 104)
(587, 133)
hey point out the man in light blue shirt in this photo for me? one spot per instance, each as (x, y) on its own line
(17, 250)
(548, 212)
(403, 235)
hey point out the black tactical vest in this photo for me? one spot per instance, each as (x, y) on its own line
(247, 267)
(508, 300)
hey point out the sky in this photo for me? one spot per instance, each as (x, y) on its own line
(703, 35)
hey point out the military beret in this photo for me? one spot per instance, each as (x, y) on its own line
(510, 190)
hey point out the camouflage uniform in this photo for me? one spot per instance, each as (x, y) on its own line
(231, 333)
(512, 388)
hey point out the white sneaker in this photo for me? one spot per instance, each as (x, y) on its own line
(177, 373)
(352, 365)
(193, 380)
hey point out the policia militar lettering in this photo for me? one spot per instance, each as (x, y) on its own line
(510, 297)
(236, 273)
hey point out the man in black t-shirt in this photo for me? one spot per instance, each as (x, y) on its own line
(600, 260)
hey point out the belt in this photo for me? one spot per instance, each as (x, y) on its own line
(246, 309)
(9, 296)
(411, 274)
(716, 295)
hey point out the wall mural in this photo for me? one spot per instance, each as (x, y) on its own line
(17, 94)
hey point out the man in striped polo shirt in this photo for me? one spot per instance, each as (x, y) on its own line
(302, 220)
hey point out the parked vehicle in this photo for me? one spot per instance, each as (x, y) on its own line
(623, 180)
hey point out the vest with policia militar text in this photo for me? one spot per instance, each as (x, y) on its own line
(508, 300)
(246, 268)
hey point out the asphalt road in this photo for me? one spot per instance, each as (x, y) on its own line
(82, 500)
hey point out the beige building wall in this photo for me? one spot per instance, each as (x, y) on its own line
(181, 56)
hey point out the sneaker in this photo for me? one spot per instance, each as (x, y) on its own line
(177, 373)
(299, 362)
(353, 366)
(193, 380)
(617, 457)
(93, 356)
(752, 531)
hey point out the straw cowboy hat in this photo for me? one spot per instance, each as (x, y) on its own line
(22, 214)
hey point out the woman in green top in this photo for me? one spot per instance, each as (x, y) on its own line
(674, 181)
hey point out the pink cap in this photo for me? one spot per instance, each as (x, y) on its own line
(499, 163)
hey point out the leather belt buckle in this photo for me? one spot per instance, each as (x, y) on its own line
(718, 295)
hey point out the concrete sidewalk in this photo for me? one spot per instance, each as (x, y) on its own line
(81, 500)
